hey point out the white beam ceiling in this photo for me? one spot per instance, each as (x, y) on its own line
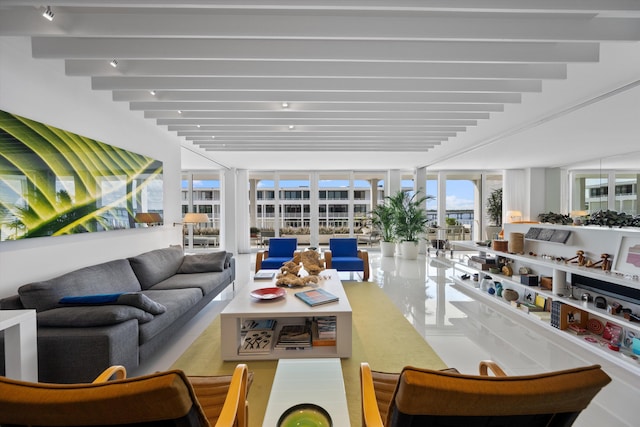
(393, 83)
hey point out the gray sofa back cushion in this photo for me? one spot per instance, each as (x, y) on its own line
(109, 277)
(157, 265)
(202, 263)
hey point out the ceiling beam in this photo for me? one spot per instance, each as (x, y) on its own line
(500, 6)
(202, 117)
(173, 88)
(321, 106)
(226, 68)
(334, 25)
(311, 50)
(212, 125)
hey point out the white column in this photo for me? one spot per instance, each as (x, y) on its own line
(276, 202)
(350, 212)
(242, 212)
(228, 234)
(314, 215)
(442, 199)
(393, 182)
(514, 190)
(253, 206)
(420, 183)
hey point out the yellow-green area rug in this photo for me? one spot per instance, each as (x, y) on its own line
(381, 336)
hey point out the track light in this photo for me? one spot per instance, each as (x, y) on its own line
(48, 13)
(113, 63)
(285, 105)
(152, 92)
(179, 111)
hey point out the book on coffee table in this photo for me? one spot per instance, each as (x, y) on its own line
(264, 275)
(315, 297)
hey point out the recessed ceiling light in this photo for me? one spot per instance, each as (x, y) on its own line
(285, 105)
(213, 137)
(113, 63)
(152, 92)
(198, 126)
(179, 111)
(291, 127)
(48, 13)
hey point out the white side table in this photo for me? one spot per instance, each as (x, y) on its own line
(317, 381)
(20, 344)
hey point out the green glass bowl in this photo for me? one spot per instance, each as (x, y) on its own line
(305, 415)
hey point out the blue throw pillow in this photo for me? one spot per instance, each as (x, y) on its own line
(133, 299)
(97, 299)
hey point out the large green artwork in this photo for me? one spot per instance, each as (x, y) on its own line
(54, 182)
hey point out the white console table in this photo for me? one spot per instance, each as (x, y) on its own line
(20, 344)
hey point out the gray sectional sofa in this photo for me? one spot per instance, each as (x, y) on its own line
(119, 312)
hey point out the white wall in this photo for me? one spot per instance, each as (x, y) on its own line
(39, 90)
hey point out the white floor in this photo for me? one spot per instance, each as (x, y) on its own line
(460, 329)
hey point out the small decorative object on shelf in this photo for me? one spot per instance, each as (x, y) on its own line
(579, 259)
(555, 218)
(507, 270)
(510, 295)
(500, 245)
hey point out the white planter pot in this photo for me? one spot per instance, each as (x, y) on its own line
(387, 248)
(409, 250)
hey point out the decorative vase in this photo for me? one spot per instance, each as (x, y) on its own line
(387, 248)
(509, 295)
(409, 250)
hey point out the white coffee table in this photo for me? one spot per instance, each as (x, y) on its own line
(286, 310)
(316, 381)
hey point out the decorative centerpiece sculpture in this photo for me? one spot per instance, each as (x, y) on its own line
(306, 272)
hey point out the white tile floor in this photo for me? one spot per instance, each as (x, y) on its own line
(461, 330)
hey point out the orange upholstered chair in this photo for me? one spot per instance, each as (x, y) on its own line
(422, 397)
(161, 399)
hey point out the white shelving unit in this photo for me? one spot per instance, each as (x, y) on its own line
(560, 271)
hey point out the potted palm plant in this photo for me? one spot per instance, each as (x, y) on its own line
(411, 220)
(494, 211)
(383, 219)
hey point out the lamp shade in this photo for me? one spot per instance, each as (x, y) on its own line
(195, 218)
(148, 217)
(514, 216)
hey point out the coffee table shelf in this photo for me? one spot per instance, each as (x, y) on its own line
(286, 310)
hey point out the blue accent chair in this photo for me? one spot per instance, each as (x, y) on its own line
(281, 250)
(344, 255)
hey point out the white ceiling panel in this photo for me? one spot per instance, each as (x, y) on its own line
(361, 84)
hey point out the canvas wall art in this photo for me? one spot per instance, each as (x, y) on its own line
(54, 182)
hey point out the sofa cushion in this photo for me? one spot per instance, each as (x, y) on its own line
(109, 277)
(155, 266)
(134, 299)
(202, 263)
(207, 282)
(87, 316)
(177, 301)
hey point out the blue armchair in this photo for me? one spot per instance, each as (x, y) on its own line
(344, 255)
(281, 250)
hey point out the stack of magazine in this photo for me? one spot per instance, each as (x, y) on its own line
(294, 337)
(323, 330)
(257, 336)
